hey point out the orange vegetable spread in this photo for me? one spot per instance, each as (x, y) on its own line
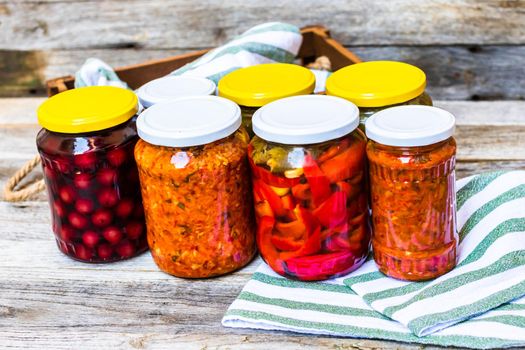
(198, 206)
(413, 206)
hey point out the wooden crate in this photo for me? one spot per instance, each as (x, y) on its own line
(316, 42)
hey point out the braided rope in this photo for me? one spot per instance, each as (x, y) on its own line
(12, 195)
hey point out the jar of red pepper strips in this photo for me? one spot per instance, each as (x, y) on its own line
(310, 187)
(86, 146)
(412, 157)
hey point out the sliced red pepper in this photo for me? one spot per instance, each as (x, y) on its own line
(317, 267)
(319, 183)
(288, 202)
(307, 218)
(337, 242)
(332, 212)
(311, 245)
(265, 192)
(345, 164)
(286, 244)
(334, 150)
(295, 229)
(263, 209)
(267, 176)
(264, 243)
(302, 192)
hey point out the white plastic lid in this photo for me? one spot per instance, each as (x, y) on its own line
(409, 126)
(170, 87)
(189, 121)
(302, 120)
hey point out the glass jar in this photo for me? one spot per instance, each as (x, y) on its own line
(255, 86)
(376, 85)
(170, 87)
(412, 157)
(90, 173)
(310, 187)
(195, 183)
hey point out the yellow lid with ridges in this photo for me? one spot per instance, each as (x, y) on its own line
(377, 83)
(87, 109)
(258, 85)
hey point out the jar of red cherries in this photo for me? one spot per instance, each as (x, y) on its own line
(86, 146)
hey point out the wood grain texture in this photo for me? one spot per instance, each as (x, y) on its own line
(33, 25)
(454, 72)
(49, 301)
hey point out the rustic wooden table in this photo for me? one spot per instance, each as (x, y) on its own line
(48, 301)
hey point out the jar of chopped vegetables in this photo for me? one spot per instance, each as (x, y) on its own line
(412, 156)
(171, 87)
(195, 183)
(377, 85)
(310, 187)
(255, 86)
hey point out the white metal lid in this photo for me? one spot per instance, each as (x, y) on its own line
(189, 121)
(307, 119)
(411, 125)
(170, 87)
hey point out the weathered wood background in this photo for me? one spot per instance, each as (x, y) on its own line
(470, 49)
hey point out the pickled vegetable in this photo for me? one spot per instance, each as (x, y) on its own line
(197, 204)
(413, 205)
(311, 206)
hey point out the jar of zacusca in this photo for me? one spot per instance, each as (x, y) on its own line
(412, 157)
(86, 146)
(255, 86)
(195, 182)
(171, 87)
(377, 85)
(310, 187)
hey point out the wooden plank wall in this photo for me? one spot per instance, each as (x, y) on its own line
(470, 49)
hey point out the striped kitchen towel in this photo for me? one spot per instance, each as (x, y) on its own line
(266, 43)
(492, 208)
(491, 264)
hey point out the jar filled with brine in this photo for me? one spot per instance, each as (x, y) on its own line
(86, 146)
(412, 157)
(171, 87)
(255, 86)
(376, 85)
(195, 182)
(310, 187)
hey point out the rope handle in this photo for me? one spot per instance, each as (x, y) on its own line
(12, 195)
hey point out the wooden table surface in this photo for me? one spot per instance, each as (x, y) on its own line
(48, 301)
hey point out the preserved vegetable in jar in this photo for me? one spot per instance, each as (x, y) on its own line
(171, 87)
(376, 85)
(195, 182)
(411, 156)
(254, 86)
(310, 187)
(90, 173)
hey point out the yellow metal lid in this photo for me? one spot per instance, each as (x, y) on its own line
(377, 83)
(258, 85)
(87, 109)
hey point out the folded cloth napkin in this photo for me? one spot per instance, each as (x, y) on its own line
(265, 43)
(491, 264)
(491, 215)
(95, 72)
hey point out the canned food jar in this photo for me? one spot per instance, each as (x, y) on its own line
(377, 85)
(255, 86)
(412, 157)
(171, 87)
(310, 187)
(195, 182)
(86, 146)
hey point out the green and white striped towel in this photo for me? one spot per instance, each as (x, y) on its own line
(491, 265)
(271, 302)
(266, 43)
